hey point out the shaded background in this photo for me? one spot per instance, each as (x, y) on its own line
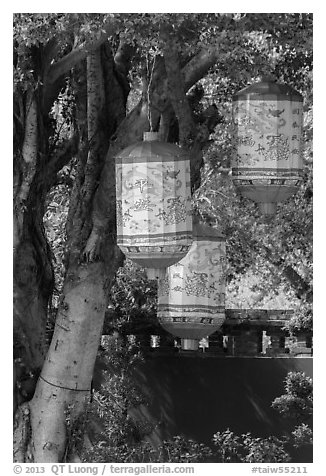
(196, 396)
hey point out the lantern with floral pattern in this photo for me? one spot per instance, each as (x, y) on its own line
(267, 164)
(191, 296)
(154, 219)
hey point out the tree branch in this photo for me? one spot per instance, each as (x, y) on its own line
(95, 103)
(122, 57)
(198, 66)
(63, 153)
(177, 92)
(79, 53)
(302, 289)
(131, 128)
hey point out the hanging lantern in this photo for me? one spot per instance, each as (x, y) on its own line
(154, 218)
(267, 164)
(191, 296)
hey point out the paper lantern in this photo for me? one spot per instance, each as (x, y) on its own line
(267, 164)
(154, 219)
(191, 296)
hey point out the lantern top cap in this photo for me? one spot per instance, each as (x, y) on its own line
(151, 149)
(268, 78)
(268, 88)
(151, 136)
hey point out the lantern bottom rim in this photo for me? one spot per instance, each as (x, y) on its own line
(155, 273)
(267, 193)
(267, 208)
(189, 344)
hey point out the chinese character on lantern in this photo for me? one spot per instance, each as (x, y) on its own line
(191, 296)
(267, 164)
(154, 219)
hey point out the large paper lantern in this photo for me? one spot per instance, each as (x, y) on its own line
(267, 164)
(191, 296)
(154, 219)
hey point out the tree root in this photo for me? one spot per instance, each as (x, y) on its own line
(92, 248)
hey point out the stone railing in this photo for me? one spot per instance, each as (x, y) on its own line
(245, 333)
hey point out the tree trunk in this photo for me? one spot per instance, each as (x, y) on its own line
(43, 426)
(33, 284)
(33, 275)
(64, 386)
(65, 382)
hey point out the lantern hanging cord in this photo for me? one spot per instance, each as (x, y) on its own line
(148, 92)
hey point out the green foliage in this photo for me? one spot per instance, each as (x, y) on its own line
(133, 299)
(54, 223)
(297, 405)
(34, 29)
(118, 436)
(302, 435)
(297, 402)
(182, 450)
(260, 287)
(299, 385)
(257, 249)
(231, 448)
(176, 450)
(228, 446)
(248, 45)
(302, 320)
(34, 32)
(265, 450)
(115, 433)
(115, 393)
(75, 428)
(193, 30)
(271, 258)
(63, 113)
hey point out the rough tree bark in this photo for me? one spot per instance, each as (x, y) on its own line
(35, 169)
(30, 300)
(64, 385)
(65, 380)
